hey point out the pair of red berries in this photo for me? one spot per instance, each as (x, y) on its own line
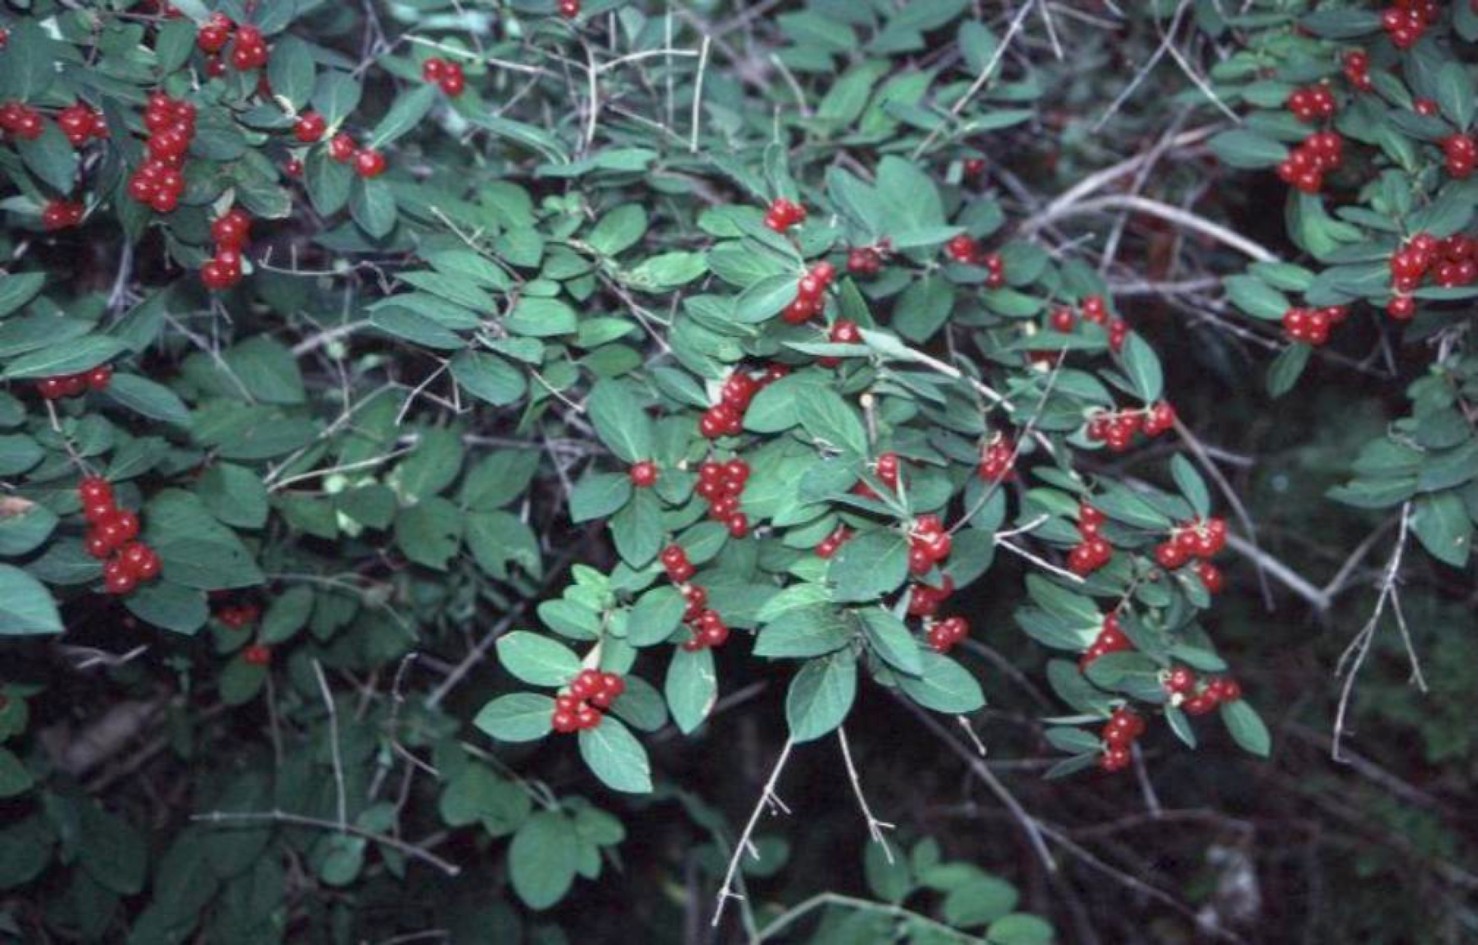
(1306, 166)
(887, 470)
(675, 562)
(1194, 539)
(721, 485)
(248, 47)
(864, 262)
(1311, 104)
(75, 385)
(843, 332)
(1096, 310)
(832, 543)
(160, 181)
(112, 535)
(928, 544)
(1119, 733)
(231, 231)
(965, 250)
(367, 161)
(1405, 22)
(81, 122)
(998, 460)
(448, 76)
(239, 616)
(21, 120)
(1110, 639)
(1461, 154)
(726, 418)
(61, 214)
(924, 599)
(943, 636)
(784, 214)
(1312, 325)
(1216, 692)
(1356, 66)
(1094, 551)
(708, 629)
(810, 294)
(1116, 429)
(581, 708)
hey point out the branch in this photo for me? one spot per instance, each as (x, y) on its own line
(298, 820)
(767, 796)
(1154, 208)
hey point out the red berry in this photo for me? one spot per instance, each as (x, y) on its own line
(643, 474)
(433, 69)
(369, 163)
(257, 654)
(341, 148)
(454, 82)
(310, 127)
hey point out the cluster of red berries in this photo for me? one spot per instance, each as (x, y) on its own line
(810, 294)
(865, 262)
(1305, 167)
(1311, 104)
(964, 249)
(946, 633)
(887, 470)
(843, 332)
(1094, 551)
(1357, 70)
(248, 51)
(721, 485)
(783, 214)
(1116, 428)
(367, 161)
(726, 418)
(1461, 154)
(1119, 734)
(924, 600)
(1181, 684)
(310, 127)
(832, 543)
(1193, 539)
(1095, 310)
(81, 122)
(230, 230)
(581, 708)
(60, 214)
(1452, 261)
(112, 537)
(160, 180)
(239, 616)
(1406, 21)
(1110, 639)
(569, 9)
(998, 460)
(21, 120)
(707, 626)
(75, 385)
(1311, 325)
(447, 75)
(928, 544)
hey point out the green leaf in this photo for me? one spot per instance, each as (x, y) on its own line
(407, 112)
(336, 96)
(1192, 486)
(26, 606)
(620, 420)
(891, 640)
(1455, 94)
(1142, 366)
(71, 357)
(518, 717)
(943, 685)
(1344, 23)
(430, 532)
(765, 299)
(1256, 298)
(148, 399)
(14, 778)
(269, 370)
(16, 289)
(286, 614)
(234, 494)
(1248, 149)
(870, 565)
(290, 71)
(978, 900)
(172, 606)
(691, 687)
(536, 659)
(541, 318)
(599, 495)
(194, 548)
(1246, 727)
(1440, 520)
(618, 230)
(637, 529)
(826, 416)
(372, 204)
(50, 157)
(1020, 928)
(489, 377)
(803, 632)
(1286, 368)
(616, 757)
(657, 615)
(821, 695)
(476, 795)
(666, 271)
(542, 859)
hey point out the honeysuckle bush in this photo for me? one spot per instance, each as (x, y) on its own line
(402, 403)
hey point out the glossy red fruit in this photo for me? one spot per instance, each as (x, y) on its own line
(341, 148)
(369, 163)
(100, 377)
(643, 474)
(310, 127)
(231, 230)
(257, 654)
(95, 489)
(433, 69)
(454, 82)
(117, 578)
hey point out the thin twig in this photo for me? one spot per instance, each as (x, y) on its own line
(767, 797)
(875, 827)
(298, 820)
